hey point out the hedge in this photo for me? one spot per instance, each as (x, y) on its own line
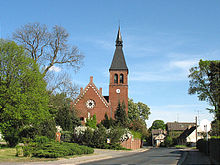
(41, 147)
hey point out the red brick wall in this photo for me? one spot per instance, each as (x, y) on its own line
(123, 95)
(132, 143)
(100, 109)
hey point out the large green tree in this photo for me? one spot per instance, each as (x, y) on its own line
(205, 82)
(137, 111)
(158, 124)
(23, 95)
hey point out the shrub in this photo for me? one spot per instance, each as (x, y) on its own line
(53, 149)
(66, 136)
(136, 134)
(92, 122)
(18, 150)
(168, 141)
(41, 139)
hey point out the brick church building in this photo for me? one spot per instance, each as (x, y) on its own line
(91, 101)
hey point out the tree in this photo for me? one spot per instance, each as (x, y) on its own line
(137, 111)
(121, 118)
(23, 95)
(158, 124)
(50, 49)
(65, 116)
(215, 131)
(205, 82)
(107, 123)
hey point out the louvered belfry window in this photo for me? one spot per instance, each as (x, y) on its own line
(116, 78)
(121, 78)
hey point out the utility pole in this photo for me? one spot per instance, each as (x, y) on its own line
(196, 130)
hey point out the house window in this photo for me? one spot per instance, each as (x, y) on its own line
(116, 78)
(121, 78)
(81, 118)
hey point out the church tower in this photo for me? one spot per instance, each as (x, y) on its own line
(118, 87)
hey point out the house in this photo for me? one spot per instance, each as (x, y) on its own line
(175, 129)
(191, 135)
(158, 136)
(91, 101)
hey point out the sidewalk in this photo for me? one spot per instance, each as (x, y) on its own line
(193, 156)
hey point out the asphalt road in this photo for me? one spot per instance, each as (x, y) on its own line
(153, 156)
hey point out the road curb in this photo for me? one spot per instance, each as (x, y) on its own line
(183, 157)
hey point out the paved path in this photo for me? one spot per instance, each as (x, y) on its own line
(169, 156)
(195, 157)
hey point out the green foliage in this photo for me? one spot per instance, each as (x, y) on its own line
(137, 111)
(23, 95)
(215, 129)
(92, 122)
(108, 123)
(168, 141)
(137, 135)
(98, 138)
(64, 115)
(41, 139)
(43, 147)
(19, 151)
(66, 136)
(158, 124)
(137, 114)
(205, 82)
(121, 118)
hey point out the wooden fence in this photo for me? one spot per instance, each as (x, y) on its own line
(211, 148)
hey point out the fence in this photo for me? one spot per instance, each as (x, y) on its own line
(132, 143)
(211, 148)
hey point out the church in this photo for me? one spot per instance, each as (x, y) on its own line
(91, 101)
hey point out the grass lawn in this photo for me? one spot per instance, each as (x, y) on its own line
(8, 155)
(183, 146)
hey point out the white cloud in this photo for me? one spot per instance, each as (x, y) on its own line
(55, 69)
(183, 64)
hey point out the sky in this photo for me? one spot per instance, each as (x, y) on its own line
(162, 40)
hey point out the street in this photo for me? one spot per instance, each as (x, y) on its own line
(153, 156)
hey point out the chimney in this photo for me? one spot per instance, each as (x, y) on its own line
(81, 90)
(91, 78)
(100, 90)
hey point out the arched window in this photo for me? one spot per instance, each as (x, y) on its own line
(116, 78)
(121, 78)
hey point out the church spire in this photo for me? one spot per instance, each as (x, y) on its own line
(118, 62)
(119, 38)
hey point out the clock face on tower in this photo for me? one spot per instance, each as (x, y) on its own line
(90, 104)
(117, 90)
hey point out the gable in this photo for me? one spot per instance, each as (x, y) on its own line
(91, 88)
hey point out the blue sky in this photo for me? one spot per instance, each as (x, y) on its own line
(162, 40)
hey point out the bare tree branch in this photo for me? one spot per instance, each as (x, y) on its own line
(49, 48)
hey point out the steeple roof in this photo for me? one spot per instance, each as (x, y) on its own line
(118, 62)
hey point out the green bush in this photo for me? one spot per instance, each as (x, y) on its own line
(136, 134)
(18, 150)
(66, 136)
(168, 141)
(43, 147)
(92, 122)
(41, 139)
